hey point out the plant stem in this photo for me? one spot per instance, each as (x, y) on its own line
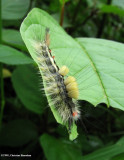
(62, 13)
(1, 75)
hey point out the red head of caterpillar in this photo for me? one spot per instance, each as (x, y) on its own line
(62, 91)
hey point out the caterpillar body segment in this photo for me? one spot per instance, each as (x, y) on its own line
(61, 91)
(70, 83)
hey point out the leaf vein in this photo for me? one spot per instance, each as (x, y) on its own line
(97, 73)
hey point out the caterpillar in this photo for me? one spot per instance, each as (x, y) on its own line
(62, 89)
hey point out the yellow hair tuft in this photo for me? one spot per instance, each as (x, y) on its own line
(72, 86)
(69, 79)
(63, 70)
(73, 94)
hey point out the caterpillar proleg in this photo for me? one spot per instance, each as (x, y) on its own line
(62, 91)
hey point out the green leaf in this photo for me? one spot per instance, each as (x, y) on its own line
(12, 56)
(12, 37)
(105, 82)
(107, 152)
(17, 133)
(54, 148)
(119, 3)
(63, 1)
(118, 157)
(14, 9)
(26, 83)
(112, 9)
(96, 64)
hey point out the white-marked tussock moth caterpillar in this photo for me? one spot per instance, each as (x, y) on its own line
(62, 91)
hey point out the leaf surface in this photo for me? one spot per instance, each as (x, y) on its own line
(96, 64)
(108, 152)
(112, 9)
(12, 56)
(53, 148)
(13, 38)
(26, 83)
(14, 9)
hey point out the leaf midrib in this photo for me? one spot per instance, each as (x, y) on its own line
(96, 71)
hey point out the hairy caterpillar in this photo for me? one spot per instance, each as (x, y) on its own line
(62, 90)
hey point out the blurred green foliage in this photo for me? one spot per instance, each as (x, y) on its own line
(28, 126)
